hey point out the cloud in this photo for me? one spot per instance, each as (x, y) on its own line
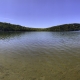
(8, 18)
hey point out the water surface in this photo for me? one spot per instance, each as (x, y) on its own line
(40, 55)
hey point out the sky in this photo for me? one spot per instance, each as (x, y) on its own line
(40, 13)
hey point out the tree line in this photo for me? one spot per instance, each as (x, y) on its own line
(65, 27)
(13, 27)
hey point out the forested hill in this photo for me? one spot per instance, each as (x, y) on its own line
(13, 27)
(65, 27)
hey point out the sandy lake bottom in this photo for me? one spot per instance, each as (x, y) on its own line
(55, 57)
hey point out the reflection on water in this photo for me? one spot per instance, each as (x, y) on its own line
(40, 55)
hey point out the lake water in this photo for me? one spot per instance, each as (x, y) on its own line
(40, 55)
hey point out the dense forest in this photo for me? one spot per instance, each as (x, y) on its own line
(13, 27)
(64, 27)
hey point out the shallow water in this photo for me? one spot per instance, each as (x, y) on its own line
(40, 55)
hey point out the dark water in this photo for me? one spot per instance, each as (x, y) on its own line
(40, 55)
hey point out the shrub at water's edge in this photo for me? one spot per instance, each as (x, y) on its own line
(13, 27)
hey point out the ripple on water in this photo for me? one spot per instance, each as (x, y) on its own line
(40, 56)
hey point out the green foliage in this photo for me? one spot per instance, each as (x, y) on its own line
(65, 27)
(12, 27)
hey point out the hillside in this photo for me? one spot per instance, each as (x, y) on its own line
(13, 27)
(64, 27)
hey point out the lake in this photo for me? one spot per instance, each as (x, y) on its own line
(40, 55)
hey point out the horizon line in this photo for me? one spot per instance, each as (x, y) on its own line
(39, 27)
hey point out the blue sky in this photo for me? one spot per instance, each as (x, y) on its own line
(40, 13)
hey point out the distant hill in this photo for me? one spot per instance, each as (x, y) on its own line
(64, 27)
(10, 27)
(14, 27)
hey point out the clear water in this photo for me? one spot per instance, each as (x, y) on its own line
(40, 55)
